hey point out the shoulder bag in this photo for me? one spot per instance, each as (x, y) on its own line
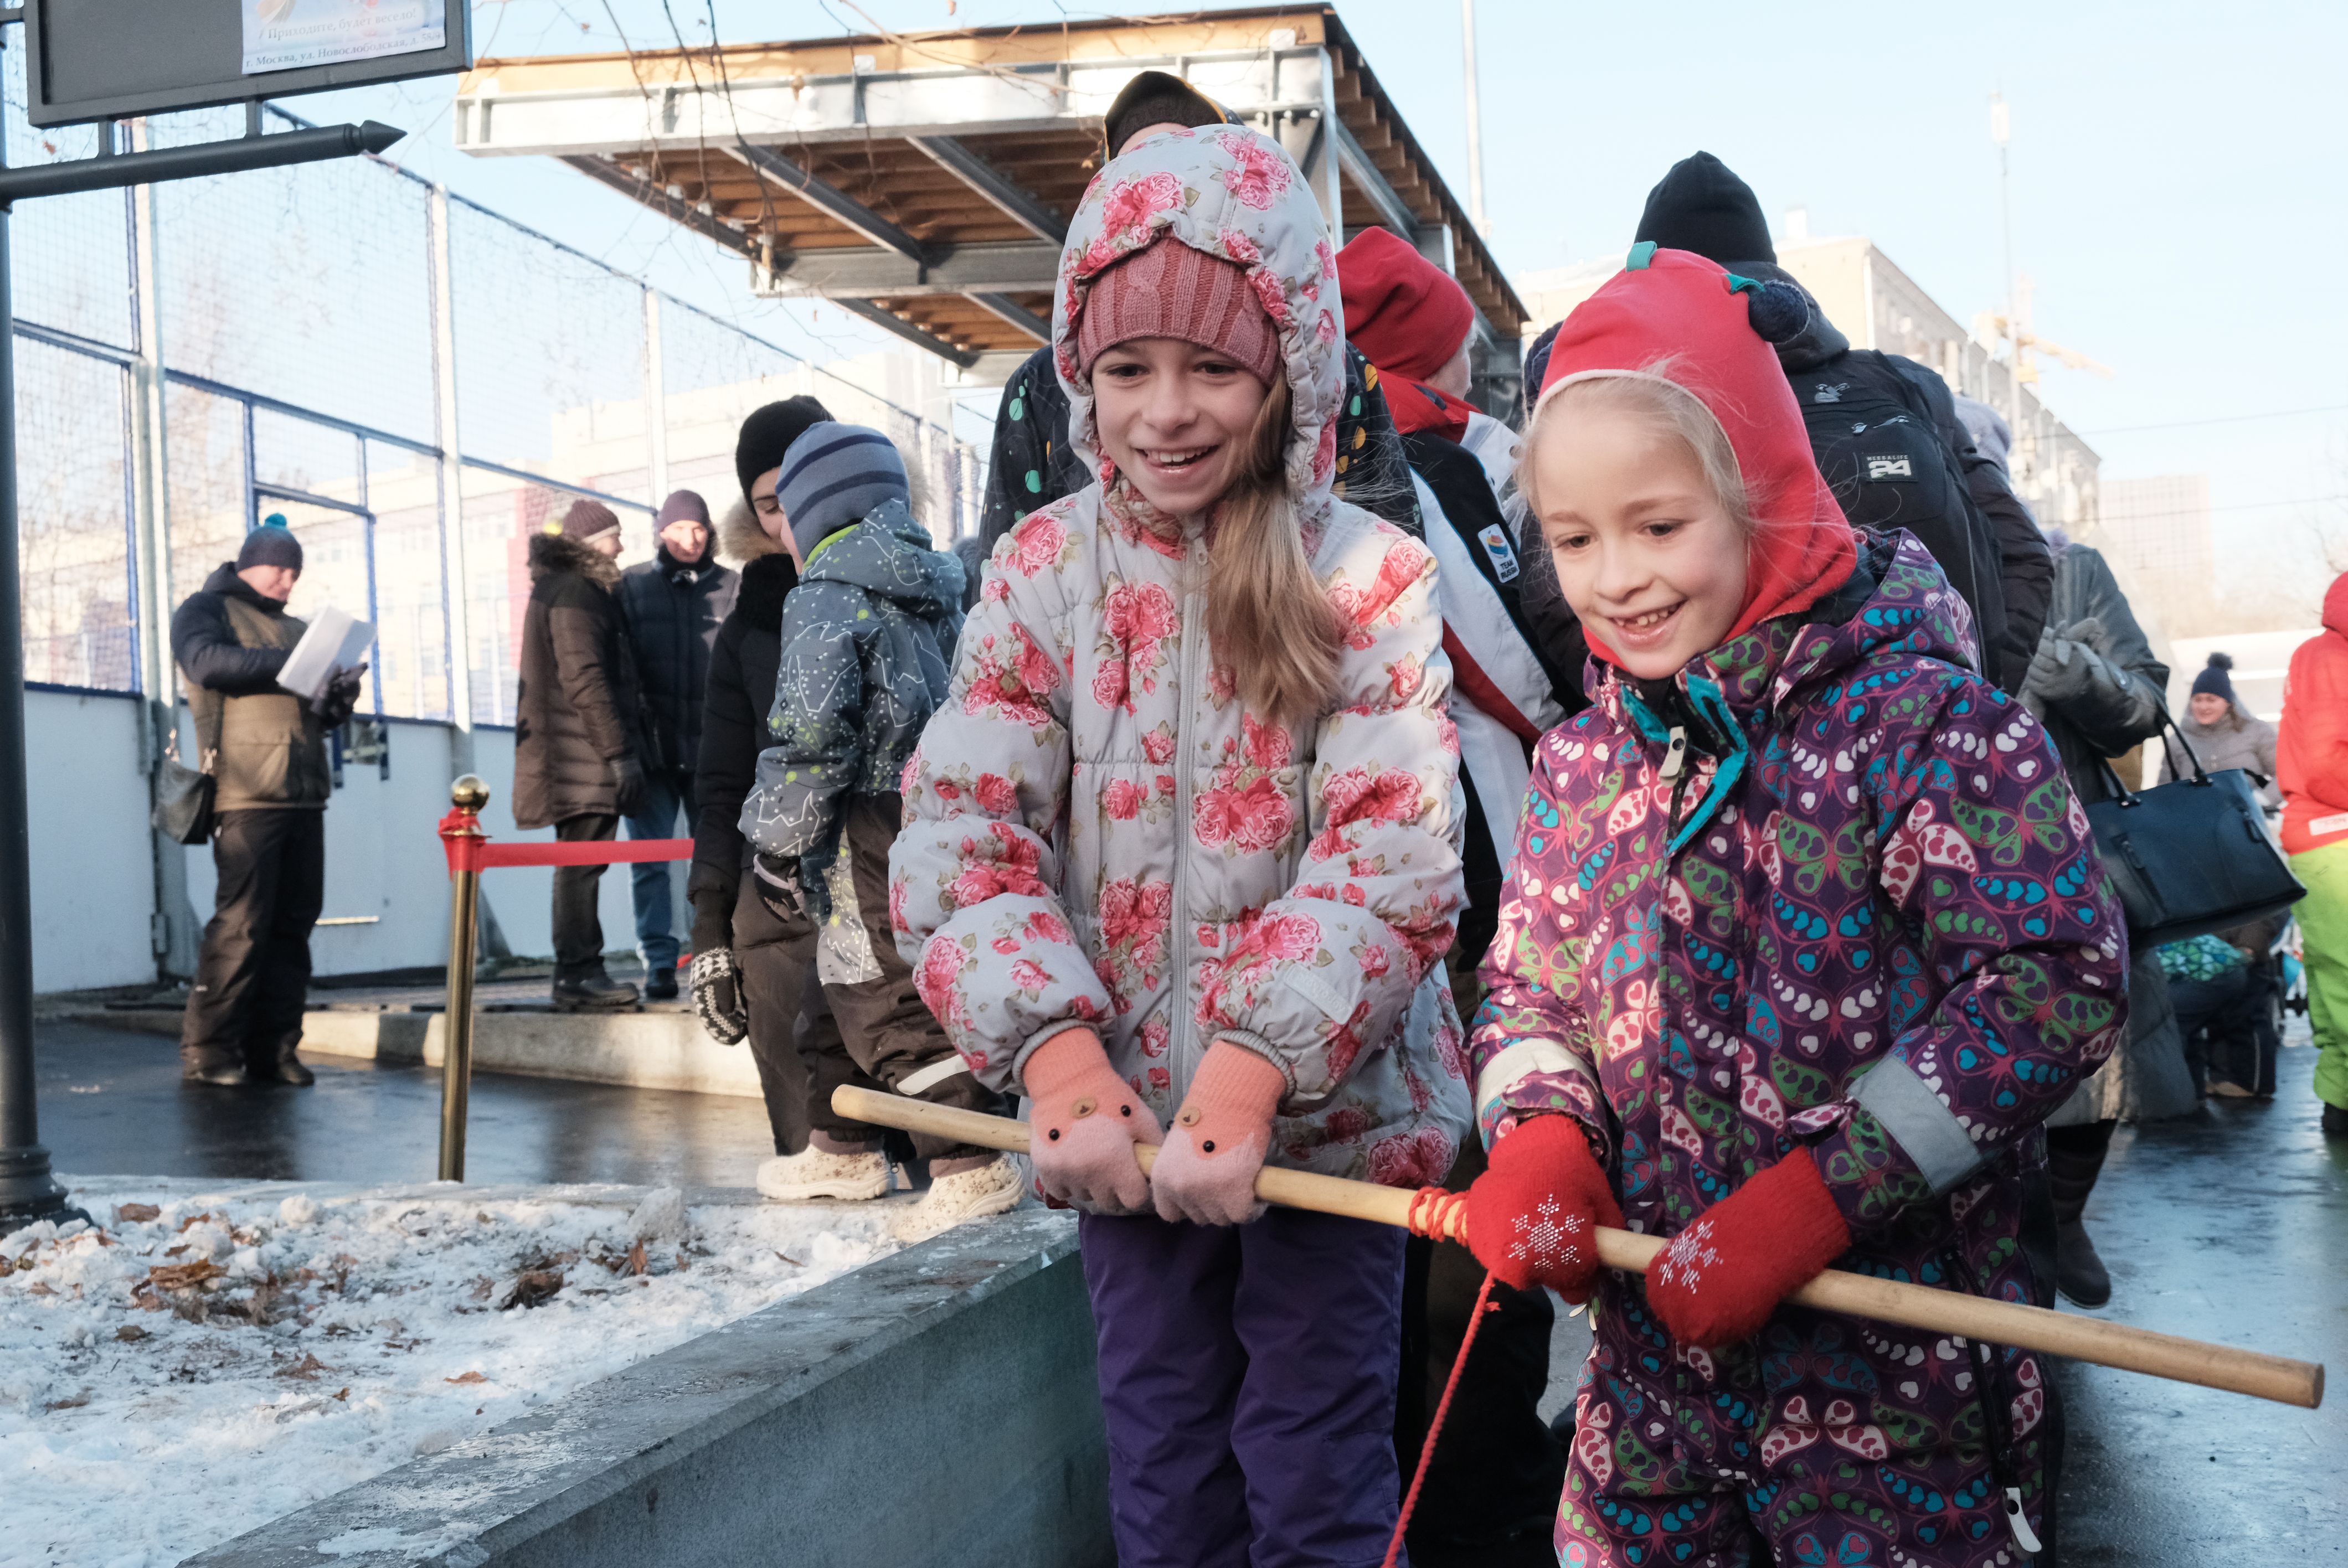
(183, 796)
(2192, 856)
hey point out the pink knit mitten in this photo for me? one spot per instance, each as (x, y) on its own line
(1206, 1173)
(1083, 1126)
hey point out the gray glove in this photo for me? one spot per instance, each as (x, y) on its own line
(716, 981)
(2065, 667)
(628, 776)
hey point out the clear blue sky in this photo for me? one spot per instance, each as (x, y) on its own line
(2178, 180)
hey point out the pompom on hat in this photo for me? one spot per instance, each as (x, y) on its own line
(1716, 330)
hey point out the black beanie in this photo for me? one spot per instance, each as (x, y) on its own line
(272, 544)
(1702, 206)
(769, 433)
(2213, 681)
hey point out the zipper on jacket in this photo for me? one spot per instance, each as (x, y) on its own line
(1185, 1049)
(1675, 769)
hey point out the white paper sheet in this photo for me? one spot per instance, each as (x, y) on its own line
(334, 644)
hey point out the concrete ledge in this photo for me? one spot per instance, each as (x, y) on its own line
(642, 1050)
(936, 1406)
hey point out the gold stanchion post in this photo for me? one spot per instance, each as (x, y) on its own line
(462, 832)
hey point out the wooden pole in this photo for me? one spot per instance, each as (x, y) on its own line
(1975, 1317)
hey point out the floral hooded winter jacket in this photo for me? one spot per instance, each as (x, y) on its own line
(1096, 831)
(1879, 926)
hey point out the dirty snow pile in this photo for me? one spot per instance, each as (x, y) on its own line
(191, 1367)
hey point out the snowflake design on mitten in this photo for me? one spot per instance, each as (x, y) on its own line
(1691, 1252)
(1547, 1239)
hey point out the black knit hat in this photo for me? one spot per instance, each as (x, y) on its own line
(272, 544)
(2213, 681)
(1702, 206)
(1156, 97)
(769, 433)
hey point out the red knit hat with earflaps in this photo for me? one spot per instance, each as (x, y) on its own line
(1674, 306)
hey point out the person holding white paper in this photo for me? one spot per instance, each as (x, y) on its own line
(265, 748)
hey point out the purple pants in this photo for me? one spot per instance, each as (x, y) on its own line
(1247, 1374)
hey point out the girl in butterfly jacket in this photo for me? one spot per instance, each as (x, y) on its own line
(1804, 937)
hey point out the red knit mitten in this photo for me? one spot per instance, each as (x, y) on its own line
(1719, 1279)
(1084, 1126)
(1532, 1215)
(1206, 1172)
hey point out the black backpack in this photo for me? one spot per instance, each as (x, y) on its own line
(1876, 441)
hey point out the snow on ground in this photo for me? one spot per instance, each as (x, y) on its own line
(209, 1357)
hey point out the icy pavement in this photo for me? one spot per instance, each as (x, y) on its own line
(214, 1355)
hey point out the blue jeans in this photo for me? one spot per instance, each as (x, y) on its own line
(667, 797)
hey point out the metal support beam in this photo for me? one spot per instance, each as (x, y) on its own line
(1370, 181)
(639, 189)
(833, 202)
(908, 330)
(1018, 314)
(1024, 267)
(990, 182)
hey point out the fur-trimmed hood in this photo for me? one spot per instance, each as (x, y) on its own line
(552, 553)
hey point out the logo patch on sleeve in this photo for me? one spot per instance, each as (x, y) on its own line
(1495, 540)
(1896, 466)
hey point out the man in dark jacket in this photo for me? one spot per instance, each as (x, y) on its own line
(1702, 206)
(1031, 465)
(671, 604)
(265, 749)
(753, 972)
(578, 737)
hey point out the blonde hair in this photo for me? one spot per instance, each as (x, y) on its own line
(1651, 394)
(1267, 615)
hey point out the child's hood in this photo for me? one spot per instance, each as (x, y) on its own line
(1713, 332)
(890, 554)
(1229, 192)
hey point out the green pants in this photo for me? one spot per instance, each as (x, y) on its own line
(2323, 937)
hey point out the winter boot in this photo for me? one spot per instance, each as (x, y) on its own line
(2335, 1121)
(289, 1071)
(594, 991)
(660, 983)
(232, 1074)
(841, 1171)
(992, 1188)
(2079, 1271)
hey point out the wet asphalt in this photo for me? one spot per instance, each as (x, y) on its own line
(2230, 1224)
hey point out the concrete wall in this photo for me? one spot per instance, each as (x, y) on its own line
(93, 878)
(937, 1407)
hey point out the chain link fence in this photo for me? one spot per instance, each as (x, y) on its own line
(302, 359)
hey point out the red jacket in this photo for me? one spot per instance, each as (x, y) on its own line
(2312, 752)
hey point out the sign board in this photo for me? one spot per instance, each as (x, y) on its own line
(112, 59)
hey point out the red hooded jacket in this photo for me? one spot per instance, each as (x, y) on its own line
(2311, 750)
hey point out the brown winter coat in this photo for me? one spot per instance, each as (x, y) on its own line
(580, 707)
(229, 642)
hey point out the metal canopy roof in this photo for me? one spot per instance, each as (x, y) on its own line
(925, 181)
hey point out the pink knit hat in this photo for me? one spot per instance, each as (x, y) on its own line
(1168, 290)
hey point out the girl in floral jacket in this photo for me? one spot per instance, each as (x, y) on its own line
(1181, 852)
(1805, 937)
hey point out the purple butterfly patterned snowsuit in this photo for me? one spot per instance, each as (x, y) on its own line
(1872, 922)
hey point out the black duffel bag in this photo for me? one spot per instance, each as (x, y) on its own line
(2192, 856)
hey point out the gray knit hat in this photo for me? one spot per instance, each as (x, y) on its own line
(587, 521)
(270, 544)
(832, 477)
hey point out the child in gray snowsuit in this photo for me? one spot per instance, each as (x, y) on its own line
(866, 641)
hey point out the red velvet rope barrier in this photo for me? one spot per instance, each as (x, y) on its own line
(471, 849)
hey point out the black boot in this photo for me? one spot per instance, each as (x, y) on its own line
(660, 983)
(2074, 1158)
(220, 1075)
(2079, 1272)
(593, 992)
(2335, 1121)
(289, 1071)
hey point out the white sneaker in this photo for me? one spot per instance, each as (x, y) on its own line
(993, 1188)
(813, 1173)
